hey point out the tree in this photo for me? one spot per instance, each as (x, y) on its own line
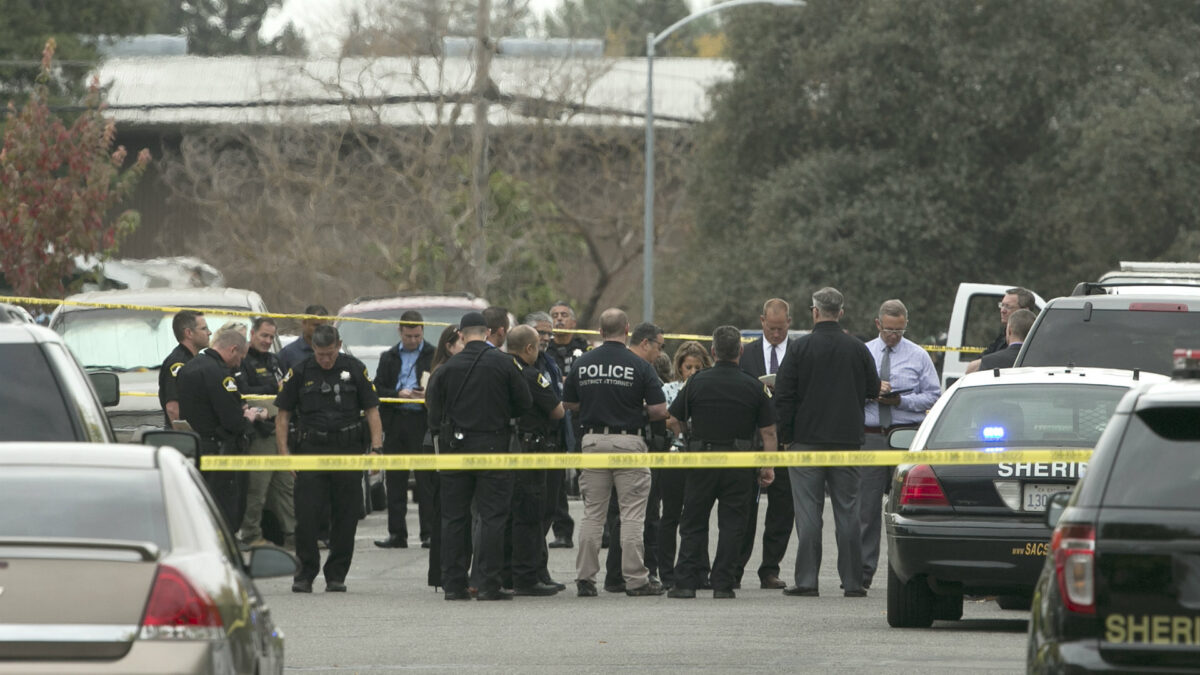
(624, 24)
(894, 150)
(57, 187)
(224, 27)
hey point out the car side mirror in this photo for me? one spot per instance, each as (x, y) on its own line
(901, 439)
(1055, 508)
(107, 386)
(271, 561)
(186, 442)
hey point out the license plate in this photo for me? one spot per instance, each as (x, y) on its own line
(1035, 496)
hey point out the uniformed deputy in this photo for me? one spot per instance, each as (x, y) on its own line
(722, 407)
(471, 400)
(537, 431)
(191, 331)
(331, 395)
(614, 392)
(261, 373)
(210, 402)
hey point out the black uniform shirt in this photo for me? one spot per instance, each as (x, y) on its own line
(493, 393)
(822, 385)
(168, 389)
(565, 355)
(260, 373)
(724, 403)
(538, 420)
(209, 398)
(327, 400)
(612, 386)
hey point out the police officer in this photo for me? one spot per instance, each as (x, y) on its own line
(330, 393)
(614, 392)
(471, 400)
(210, 402)
(722, 407)
(191, 331)
(537, 431)
(260, 373)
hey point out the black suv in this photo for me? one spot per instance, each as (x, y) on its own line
(1120, 590)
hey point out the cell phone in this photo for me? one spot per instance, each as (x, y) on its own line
(896, 392)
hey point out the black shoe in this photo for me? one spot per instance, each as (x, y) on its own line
(335, 587)
(561, 542)
(681, 593)
(719, 594)
(393, 541)
(772, 581)
(539, 588)
(551, 582)
(867, 584)
(653, 588)
(426, 542)
(615, 588)
(796, 591)
(860, 593)
(585, 589)
(494, 595)
(301, 586)
(457, 595)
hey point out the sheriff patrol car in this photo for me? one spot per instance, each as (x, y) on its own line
(1120, 588)
(979, 529)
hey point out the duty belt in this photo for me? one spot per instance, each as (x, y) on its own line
(347, 434)
(536, 441)
(696, 445)
(634, 431)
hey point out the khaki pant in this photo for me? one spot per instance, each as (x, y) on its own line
(268, 489)
(633, 489)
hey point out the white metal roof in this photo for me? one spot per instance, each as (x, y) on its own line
(175, 90)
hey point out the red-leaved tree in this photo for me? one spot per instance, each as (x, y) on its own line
(58, 185)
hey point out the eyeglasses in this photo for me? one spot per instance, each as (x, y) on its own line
(893, 331)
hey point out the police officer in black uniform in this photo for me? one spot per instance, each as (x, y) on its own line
(191, 331)
(210, 402)
(471, 400)
(537, 431)
(723, 407)
(331, 394)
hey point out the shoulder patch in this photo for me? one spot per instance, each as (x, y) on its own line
(542, 381)
(174, 369)
(229, 384)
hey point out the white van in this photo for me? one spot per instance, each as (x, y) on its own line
(975, 322)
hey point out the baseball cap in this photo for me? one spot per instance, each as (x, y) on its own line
(471, 319)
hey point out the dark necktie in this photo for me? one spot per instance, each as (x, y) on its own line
(774, 360)
(885, 373)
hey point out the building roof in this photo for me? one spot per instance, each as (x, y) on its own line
(192, 90)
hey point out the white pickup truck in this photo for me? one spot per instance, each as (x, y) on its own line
(974, 322)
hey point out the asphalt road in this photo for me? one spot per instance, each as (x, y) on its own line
(390, 621)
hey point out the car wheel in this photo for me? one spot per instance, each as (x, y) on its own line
(1019, 602)
(948, 607)
(379, 496)
(909, 605)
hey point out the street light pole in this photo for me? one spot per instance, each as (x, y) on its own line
(652, 41)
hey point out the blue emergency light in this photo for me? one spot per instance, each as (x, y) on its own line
(993, 433)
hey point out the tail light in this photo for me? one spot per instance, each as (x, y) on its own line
(1074, 551)
(176, 610)
(922, 488)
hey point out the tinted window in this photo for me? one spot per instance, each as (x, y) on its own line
(1158, 464)
(32, 407)
(1111, 339)
(982, 323)
(79, 389)
(83, 503)
(1025, 415)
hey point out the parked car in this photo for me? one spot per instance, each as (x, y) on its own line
(956, 530)
(46, 394)
(129, 568)
(134, 342)
(14, 314)
(1119, 590)
(367, 341)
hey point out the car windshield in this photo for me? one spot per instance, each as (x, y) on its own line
(32, 408)
(83, 503)
(1025, 415)
(1158, 465)
(1142, 340)
(125, 339)
(358, 333)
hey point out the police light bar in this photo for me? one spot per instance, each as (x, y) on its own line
(1187, 363)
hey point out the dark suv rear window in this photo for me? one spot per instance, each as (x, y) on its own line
(32, 407)
(1158, 464)
(1112, 338)
(83, 503)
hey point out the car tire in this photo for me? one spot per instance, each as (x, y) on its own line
(379, 496)
(948, 607)
(1017, 602)
(909, 605)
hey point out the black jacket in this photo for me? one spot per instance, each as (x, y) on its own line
(387, 374)
(1005, 358)
(752, 357)
(209, 399)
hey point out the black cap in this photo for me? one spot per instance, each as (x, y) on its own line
(471, 319)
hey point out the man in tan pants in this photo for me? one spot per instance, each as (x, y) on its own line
(614, 393)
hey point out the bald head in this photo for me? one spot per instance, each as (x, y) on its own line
(614, 324)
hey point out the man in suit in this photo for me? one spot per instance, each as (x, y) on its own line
(1014, 299)
(1019, 323)
(762, 357)
(401, 374)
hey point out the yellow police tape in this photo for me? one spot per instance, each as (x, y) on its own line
(275, 315)
(656, 460)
